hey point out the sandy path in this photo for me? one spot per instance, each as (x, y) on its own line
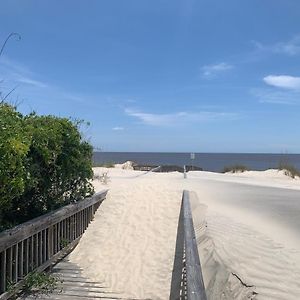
(130, 245)
(247, 233)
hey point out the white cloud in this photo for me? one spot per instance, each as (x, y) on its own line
(291, 47)
(284, 89)
(275, 96)
(283, 81)
(118, 128)
(211, 71)
(21, 79)
(178, 118)
(16, 73)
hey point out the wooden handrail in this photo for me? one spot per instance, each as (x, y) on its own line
(194, 279)
(36, 244)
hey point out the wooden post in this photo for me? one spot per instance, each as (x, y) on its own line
(26, 261)
(40, 239)
(9, 263)
(44, 245)
(15, 261)
(3, 272)
(21, 260)
(31, 265)
(50, 242)
(58, 237)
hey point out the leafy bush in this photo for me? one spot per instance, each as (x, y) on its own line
(45, 165)
(14, 147)
(235, 169)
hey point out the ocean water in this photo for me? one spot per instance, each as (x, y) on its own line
(208, 161)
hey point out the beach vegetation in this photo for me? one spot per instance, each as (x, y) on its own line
(14, 147)
(103, 177)
(109, 164)
(41, 283)
(238, 168)
(289, 170)
(44, 164)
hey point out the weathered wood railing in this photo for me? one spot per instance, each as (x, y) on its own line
(187, 280)
(194, 279)
(35, 245)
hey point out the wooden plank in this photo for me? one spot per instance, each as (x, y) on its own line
(9, 264)
(50, 242)
(44, 245)
(58, 236)
(3, 272)
(16, 263)
(195, 285)
(75, 226)
(84, 218)
(54, 238)
(64, 230)
(36, 250)
(31, 261)
(26, 260)
(21, 259)
(71, 228)
(25, 230)
(40, 242)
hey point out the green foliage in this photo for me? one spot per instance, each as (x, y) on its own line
(289, 170)
(235, 169)
(14, 147)
(44, 164)
(64, 243)
(41, 284)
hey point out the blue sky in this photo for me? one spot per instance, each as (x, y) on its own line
(202, 76)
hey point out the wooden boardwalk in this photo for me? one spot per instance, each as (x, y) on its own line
(76, 286)
(187, 281)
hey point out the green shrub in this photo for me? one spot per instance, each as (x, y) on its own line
(14, 147)
(235, 169)
(49, 165)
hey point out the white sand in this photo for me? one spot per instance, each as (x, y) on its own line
(247, 227)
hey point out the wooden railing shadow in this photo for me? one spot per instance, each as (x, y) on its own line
(74, 285)
(37, 244)
(187, 280)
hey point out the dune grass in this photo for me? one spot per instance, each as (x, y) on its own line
(109, 164)
(235, 169)
(289, 170)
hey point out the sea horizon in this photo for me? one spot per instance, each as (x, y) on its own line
(211, 161)
(275, 153)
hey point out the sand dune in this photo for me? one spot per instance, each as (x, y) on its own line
(247, 234)
(130, 245)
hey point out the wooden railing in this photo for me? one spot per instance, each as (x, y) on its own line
(187, 280)
(37, 244)
(194, 279)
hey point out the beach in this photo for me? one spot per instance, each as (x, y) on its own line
(247, 228)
